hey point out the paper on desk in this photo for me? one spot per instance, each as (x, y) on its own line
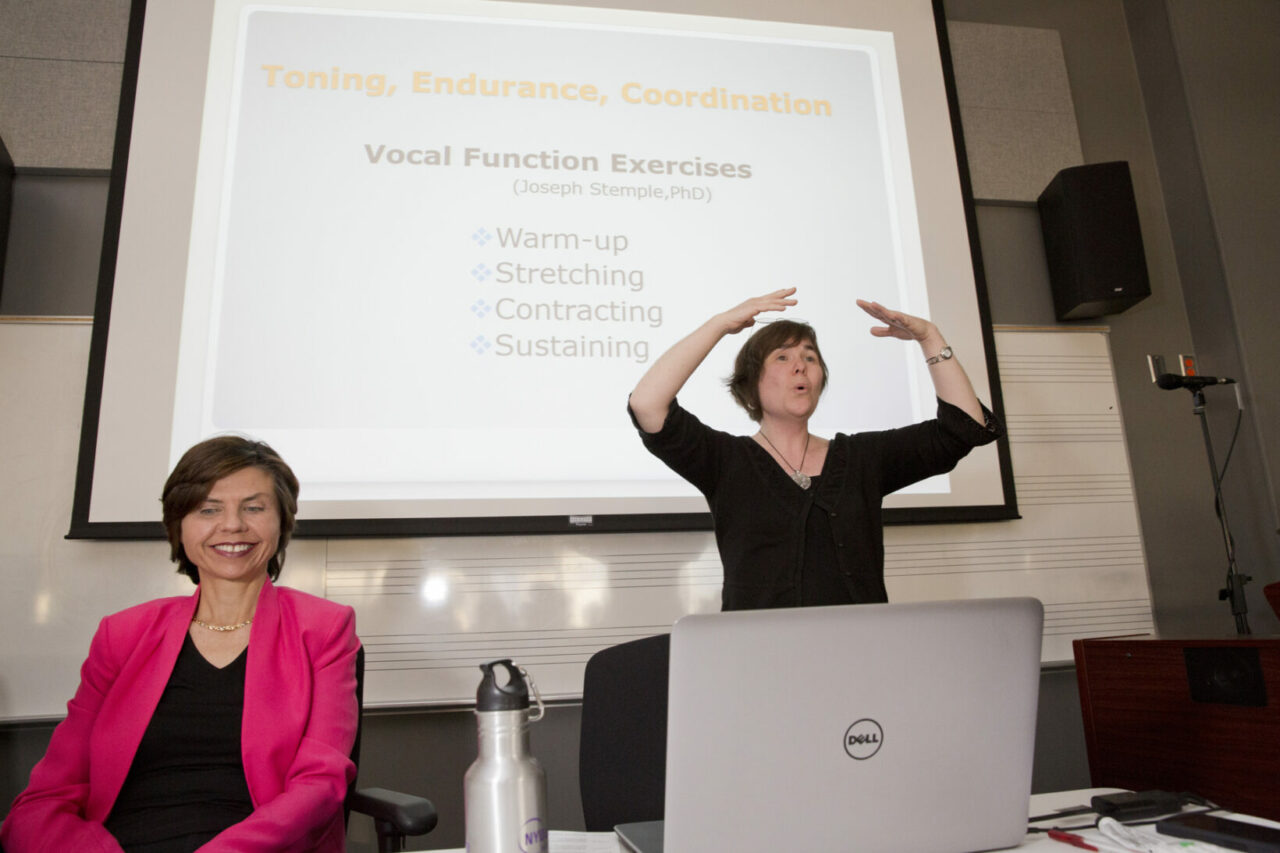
(1136, 839)
(563, 841)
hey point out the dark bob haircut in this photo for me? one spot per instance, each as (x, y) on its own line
(205, 464)
(744, 384)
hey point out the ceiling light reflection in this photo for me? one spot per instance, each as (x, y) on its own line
(435, 590)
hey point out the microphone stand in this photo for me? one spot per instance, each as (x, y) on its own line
(1234, 590)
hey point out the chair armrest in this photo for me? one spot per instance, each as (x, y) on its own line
(408, 814)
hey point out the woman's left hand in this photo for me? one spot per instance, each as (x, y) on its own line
(904, 327)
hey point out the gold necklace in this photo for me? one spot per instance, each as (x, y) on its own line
(234, 627)
(801, 480)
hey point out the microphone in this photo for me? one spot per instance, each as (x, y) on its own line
(1193, 383)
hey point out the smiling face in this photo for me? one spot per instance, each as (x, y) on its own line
(234, 532)
(791, 381)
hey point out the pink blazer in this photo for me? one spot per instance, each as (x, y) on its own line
(299, 724)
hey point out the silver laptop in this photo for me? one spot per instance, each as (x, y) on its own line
(886, 728)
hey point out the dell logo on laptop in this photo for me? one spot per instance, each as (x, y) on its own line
(862, 739)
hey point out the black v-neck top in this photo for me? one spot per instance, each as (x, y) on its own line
(783, 546)
(821, 581)
(186, 783)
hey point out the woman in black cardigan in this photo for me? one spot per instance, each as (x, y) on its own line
(797, 516)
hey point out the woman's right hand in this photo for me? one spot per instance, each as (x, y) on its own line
(744, 316)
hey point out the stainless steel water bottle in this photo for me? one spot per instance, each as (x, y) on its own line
(505, 789)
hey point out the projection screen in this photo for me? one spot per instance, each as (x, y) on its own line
(425, 249)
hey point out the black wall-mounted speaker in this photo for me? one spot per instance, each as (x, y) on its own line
(1092, 241)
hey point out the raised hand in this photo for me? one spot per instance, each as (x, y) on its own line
(744, 316)
(904, 327)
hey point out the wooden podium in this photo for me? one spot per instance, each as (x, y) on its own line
(1201, 716)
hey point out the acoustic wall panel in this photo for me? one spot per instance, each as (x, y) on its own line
(1016, 108)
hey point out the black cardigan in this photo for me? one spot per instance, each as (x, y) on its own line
(760, 513)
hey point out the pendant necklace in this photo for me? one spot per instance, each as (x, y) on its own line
(801, 480)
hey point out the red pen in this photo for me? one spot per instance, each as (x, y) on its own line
(1070, 838)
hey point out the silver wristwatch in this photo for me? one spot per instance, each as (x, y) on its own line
(942, 356)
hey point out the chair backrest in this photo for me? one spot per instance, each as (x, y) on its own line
(355, 747)
(395, 815)
(622, 754)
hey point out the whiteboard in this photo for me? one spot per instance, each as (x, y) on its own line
(430, 609)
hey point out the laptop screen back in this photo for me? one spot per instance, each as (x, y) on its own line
(890, 727)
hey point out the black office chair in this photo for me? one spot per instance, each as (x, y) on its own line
(395, 815)
(622, 753)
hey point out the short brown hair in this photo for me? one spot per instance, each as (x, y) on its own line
(744, 384)
(205, 464)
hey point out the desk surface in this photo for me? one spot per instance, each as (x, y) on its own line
(1035, 842)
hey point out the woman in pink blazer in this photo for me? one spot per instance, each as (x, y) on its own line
(222, 721)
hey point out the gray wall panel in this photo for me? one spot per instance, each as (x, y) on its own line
(57, 114)
(1013, 68)
(55, 240)
(83, 30)
(60, 66)
(1013, 154)
(1015, 106)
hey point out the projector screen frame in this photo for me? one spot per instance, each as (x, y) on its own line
(82, 527)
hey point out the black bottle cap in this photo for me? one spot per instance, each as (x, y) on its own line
(512, 696)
